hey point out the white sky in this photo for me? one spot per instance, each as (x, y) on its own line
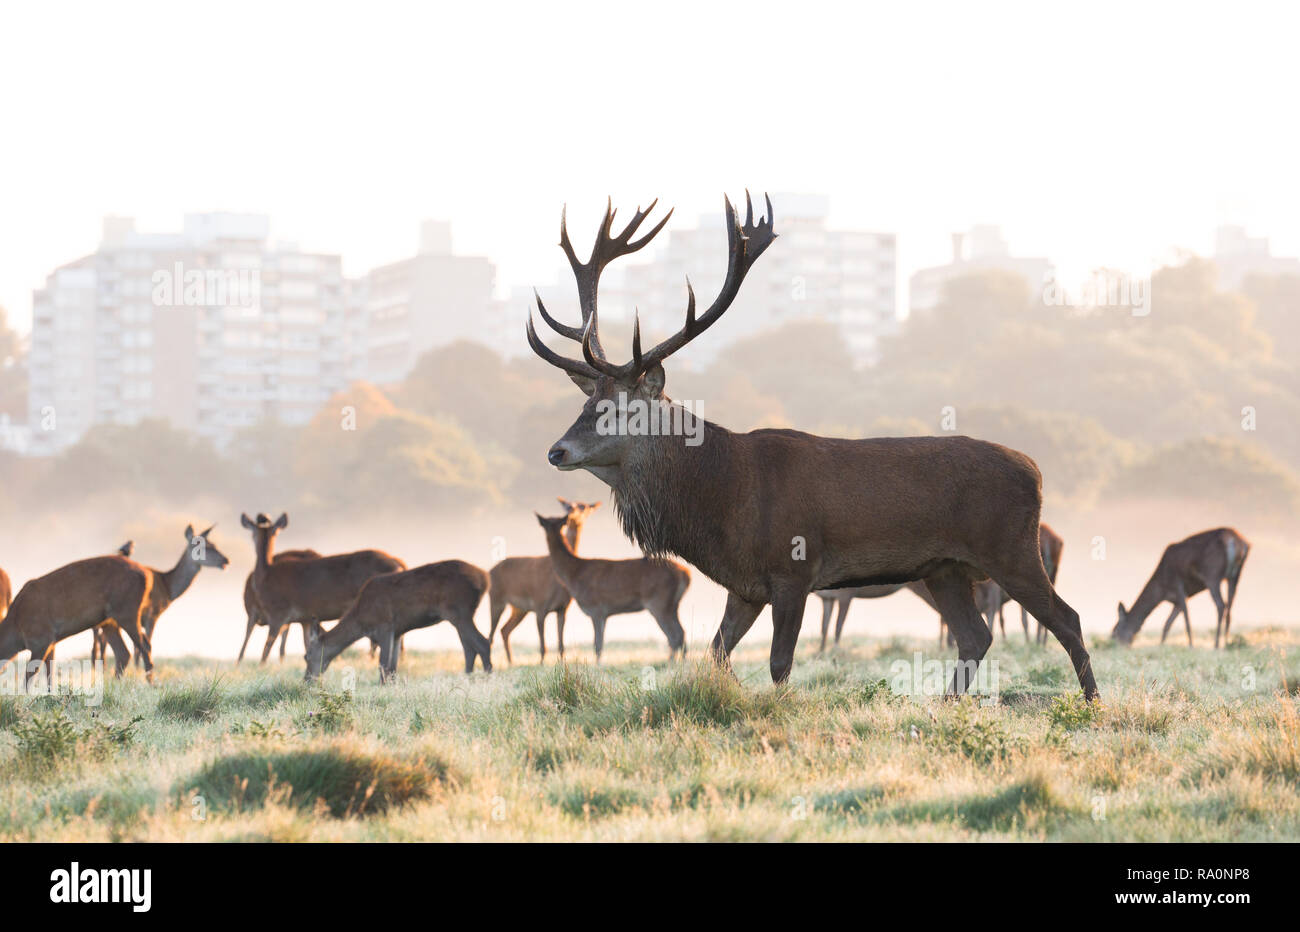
(1098, 134)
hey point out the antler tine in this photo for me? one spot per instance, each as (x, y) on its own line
(571, 366)
(744, 245)
(564, 330)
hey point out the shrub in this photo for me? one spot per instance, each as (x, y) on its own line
(333, 713)
(192, 702)
(346, 781)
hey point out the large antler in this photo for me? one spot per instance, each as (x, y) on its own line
(744, 245)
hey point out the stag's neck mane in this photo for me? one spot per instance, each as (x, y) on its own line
(668, 495)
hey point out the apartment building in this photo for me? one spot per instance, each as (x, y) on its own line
(982, 249)
(212, 328)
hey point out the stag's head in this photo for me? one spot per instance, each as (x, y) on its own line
(590, 443)
(202, 551)
(264, 529)
(1125, 627)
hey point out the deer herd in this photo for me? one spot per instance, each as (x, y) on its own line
(771, 516)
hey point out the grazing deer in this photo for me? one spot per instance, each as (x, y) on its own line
(254, 610)
(390, 605)
(165, 587)
(72, 599)
(307, 590)
(529, 584)
(992, 598)
(616, 587)
(772, 515)
(843, 598)
(1201, 561)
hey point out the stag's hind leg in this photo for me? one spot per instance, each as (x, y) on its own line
(515, 619)
(953, 592)
(1028, 584)
(473, 643)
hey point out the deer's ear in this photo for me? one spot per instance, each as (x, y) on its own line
(282, 522)
(244, 520)
(540, 519)
(565, 503)
(653, 380)
(189, 532)
(1121, 607)
(587, 385)
(592, 506)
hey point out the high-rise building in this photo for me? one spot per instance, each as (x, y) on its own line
(982, 249)
(810, 271)
(431, 299)
(212, 328)
(1238, 256)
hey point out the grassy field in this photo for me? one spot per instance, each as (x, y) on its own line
(1187, 745)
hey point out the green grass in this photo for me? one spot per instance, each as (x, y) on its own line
(1187, 745)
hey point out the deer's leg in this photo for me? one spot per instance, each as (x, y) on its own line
(827, 607)
(1169, 622)
(1028, 585)
(1024, 622)
(787, 618)
(1220, 607)
(121, 653)
(473, 643)
(1002, 618)
(514, 621)
(598, 624)
(272, 632)
(737, 618)
(540, 617)
(37, 660)
(142, 646)
(954, 593)
(840, 616)
(385, 656)
(96, 645)
(665, 617)
(284, 640)
(248, 633)
(559, 629)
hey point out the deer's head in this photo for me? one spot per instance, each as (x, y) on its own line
(201, 551)
(596, 441)
(264, 529)
(577, 512)
(1125, 628)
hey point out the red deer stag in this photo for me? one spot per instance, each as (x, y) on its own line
(843, 598)
(307, 590)
(772, 515)
(991, 598)
(257, 617)
(529, 584)
(1201, 561)
(76, 598)
(165, 587)
(390, 605)
(616, 587)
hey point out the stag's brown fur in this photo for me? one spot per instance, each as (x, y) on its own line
(388, 606)
(75, 598)
(529, 584)
(1201, 561)
(772, 515)
(616, 587)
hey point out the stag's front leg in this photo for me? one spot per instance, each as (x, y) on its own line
(787, 619)
(737, 619)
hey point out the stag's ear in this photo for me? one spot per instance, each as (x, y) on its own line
(244, 520)
(592, 506)
(208, 531)
(653, 380)
(565, 503)
(282, 522)
(189, 532)
(540, 519)
(587, 385)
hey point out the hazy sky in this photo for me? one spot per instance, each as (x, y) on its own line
(1098, 134)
